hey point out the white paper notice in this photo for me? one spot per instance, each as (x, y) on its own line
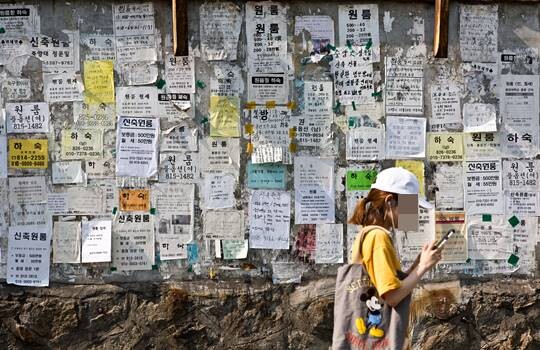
(76, 201)
(266, 32)
(314, 190)
(220, 24)
(181, 167)
(448, 180)
(98, 46)
(67, 242)
(329, 244)
(227, 80)
(520, 175)
(29, 251)
(136, 147)
(445, 106)
(180, 74)
(521, 203)
(482, 145)
(133, 242)
(270, 132)
(223, 224)
(137, 101)
(219, 190)
(263, 88)
(19, 19)
(353, 75)
(405, 137)
(269, 219)
(27, 117)
(478, 27)
(62, 87)
(100, 168)
(520, 109)
(96, 241)
(365, 143)
(134, 30)
(404, 85)
(174, 225)
(359, 24)
(479, 117)
(314, 125)
(56, 55)
(483, 187)
(27, 200)
(69, 172)
(320, 28)
(488, 239)
(179, 138)
(17, 89)
(220, 154)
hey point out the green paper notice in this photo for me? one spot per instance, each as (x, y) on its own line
(360, 180)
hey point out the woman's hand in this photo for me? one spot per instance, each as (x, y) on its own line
(429, 257)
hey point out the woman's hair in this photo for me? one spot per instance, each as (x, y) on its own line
(371, 209)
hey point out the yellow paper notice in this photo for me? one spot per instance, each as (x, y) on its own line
(98, 82)
(28, 153)
(445, 146)
(417, 168)
(134, 200)
(224, 116)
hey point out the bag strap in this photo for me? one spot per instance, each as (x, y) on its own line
(356, 256)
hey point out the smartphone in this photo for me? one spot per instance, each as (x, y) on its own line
(444, 239)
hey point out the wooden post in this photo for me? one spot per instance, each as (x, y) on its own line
(180, 27)
(440, 32)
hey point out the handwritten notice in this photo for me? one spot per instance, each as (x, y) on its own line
(314, 190)
(66, 242)
(28, 153)
(133, 242)
(520, 175)
(180, 74)
(365, 143)
(448, 180)
(134, 199)
(70, 172)
(266, 33)
(137, 101)
(99, 82)
(175, 219)
(182, 167)
(134, 31)
(353, 74)
(483, 187)
(358, 25)
(478, 27)
(404, 85)
(29, 251)
(96, 241)
(219, 190)
(320, 29)
(136, 147)
(405, 137)
(488, 239)
(81, 144)
(445, 106)
(445, 147)
(269, 219)
(220, 26)
(62, 87)
(266, 176)
(329, 244)
(27, 117)
(223, 224)
(234, 248)
(479, 117)
(224, 116)
(455, 249)
(519, 109)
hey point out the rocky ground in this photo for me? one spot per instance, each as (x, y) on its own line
(497, 314)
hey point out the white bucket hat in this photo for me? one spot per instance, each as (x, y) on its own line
(400, 181)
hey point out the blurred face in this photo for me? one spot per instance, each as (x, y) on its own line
(392, 213)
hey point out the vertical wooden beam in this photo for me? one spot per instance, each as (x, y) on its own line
(180, 27)
(440, 32)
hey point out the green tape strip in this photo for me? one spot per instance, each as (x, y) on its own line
(486, 217)
(513, 260)
(353, 105)
(114, 210)
(200, 84)
(376, 94)
(337, 107)
(160, 83)
(368, 44)
(514, 221)
(153, 211)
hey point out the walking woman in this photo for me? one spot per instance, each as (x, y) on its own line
(379, 319)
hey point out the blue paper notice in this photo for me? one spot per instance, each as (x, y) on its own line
(267, 176)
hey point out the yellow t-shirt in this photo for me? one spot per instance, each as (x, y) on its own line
(379, 258)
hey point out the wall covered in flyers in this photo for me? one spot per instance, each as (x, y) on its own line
(253, 149)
